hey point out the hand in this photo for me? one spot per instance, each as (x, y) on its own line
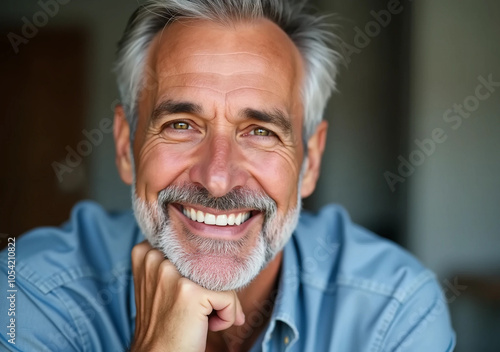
(174, 313)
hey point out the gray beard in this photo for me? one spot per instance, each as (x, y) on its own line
(217, 265)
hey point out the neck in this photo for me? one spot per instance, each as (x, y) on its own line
(257, 301)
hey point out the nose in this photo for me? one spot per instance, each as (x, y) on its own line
(219, 167)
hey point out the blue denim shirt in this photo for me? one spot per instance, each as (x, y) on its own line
(341, 288)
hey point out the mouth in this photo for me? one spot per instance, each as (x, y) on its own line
(226, 219)
(207, 222)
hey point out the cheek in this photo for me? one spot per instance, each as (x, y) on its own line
(278, 176)
(159, 167)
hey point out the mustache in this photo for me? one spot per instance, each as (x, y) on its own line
(238, 198)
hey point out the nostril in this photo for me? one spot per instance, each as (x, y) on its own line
(217, 172)
(218, 184)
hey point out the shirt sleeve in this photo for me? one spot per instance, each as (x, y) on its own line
(422, 322)
(40, 322)
(74, 287)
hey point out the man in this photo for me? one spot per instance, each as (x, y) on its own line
(220, 136)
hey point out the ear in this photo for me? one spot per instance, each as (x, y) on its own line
(315, 148)
(121, 132)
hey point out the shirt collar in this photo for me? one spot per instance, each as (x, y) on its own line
(284, 320)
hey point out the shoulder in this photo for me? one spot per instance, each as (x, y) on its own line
(387, 295)
(91, 242)
(72, 281)
(353, 256)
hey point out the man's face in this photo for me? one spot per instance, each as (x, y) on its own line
(218, 148)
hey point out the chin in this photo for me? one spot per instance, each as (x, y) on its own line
(217, 264)
(221, 273)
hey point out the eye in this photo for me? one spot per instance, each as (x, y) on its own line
(259, 131)
(180, 125)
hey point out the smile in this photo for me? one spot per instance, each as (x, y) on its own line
(231, 219)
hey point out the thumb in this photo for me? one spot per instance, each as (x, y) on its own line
(227, 311)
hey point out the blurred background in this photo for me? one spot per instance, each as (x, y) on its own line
(413, 151)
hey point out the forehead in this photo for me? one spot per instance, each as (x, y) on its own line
(244, 58)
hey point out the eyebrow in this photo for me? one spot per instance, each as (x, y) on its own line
(276, 117)
(170, 107)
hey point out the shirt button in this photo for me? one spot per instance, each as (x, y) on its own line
(287, 340)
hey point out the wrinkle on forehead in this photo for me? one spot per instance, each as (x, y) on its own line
(227, 63)
(200, 44)
(233, 53)
(223, 83)
(224, 69)
(256, 56)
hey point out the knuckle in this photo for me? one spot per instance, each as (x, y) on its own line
(139, 250)
(135, 251)
(152, 256)
(186, 288)
(166, 269)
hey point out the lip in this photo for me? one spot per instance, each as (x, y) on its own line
(213, 231)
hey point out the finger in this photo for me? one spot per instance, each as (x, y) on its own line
(168, 281)
(240, 315)
(167, 272)
(152, 261)
(228, 311)
(138, 253)
(137, 256)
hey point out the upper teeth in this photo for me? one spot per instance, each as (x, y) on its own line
(219, 220)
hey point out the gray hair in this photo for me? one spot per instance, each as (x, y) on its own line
(310, 33)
